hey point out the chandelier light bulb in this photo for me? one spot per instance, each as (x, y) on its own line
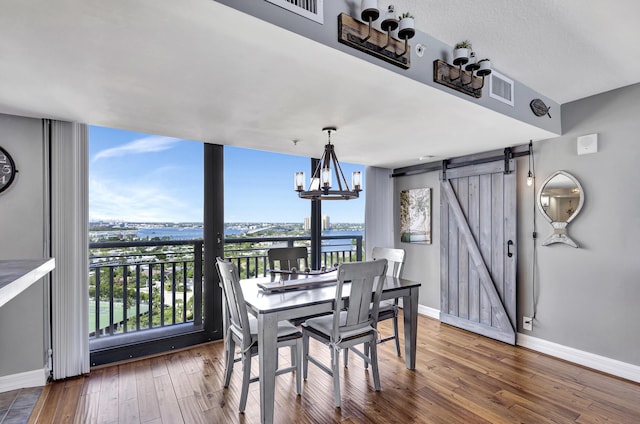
(356, 180)
(298, 182)
(326, 177)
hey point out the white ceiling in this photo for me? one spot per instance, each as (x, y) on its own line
(199, 70)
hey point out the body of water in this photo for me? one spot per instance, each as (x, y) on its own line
(188, 233)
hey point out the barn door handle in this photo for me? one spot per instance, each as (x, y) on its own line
(509, 252)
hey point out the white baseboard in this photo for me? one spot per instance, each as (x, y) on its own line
(429, 312)
(580, 357)
(35, 378)
(425, 310)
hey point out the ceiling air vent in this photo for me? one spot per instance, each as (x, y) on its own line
(501, 88)
(310, 9)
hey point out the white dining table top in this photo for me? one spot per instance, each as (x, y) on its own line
(269, 301)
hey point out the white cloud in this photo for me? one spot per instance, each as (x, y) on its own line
(138, 203)
(143, 145)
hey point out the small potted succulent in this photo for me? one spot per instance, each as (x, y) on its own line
(484, 67)
(461, 52)
(406, 26)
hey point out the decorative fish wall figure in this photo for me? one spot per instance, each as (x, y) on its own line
(539, 108)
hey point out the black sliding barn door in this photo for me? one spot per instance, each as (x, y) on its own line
(478, 249)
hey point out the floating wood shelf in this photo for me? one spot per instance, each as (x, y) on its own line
(352, 33)
(449, 75)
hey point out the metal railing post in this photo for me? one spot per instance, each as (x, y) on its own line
(197, 283)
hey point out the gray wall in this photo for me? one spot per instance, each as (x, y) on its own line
(422, 261)
(586, 298)
(22, 237)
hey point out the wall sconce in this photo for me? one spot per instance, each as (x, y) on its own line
(469, 81)
(362, 35)
(530, 176)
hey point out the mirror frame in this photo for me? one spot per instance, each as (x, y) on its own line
(560, 227)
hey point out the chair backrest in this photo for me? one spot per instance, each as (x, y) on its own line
(230, 281)
(395, 258)
(366, 278)
(287, 258)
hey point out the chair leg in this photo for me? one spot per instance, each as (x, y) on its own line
(305, 356)
(395, 333)
(346, 357)
(373, 349)
(366, 353)
(293, 355)
(230, 348)
(298, 361)
(246, 376)
(335, 367)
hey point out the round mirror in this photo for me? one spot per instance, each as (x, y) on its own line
(559, 200)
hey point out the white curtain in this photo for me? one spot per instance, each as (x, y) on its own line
(70, 248)
(379, 228)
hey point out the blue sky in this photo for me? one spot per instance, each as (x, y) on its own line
(146, 178)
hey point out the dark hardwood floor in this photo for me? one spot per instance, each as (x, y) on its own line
(460, 378)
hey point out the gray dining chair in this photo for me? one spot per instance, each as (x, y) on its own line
(287, 258)
(243, 330)
(352, 325)
(389, 308)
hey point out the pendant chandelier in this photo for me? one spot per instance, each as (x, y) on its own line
(320, 186)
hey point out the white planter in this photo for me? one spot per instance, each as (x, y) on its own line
(484, 65)
(406, 28)
(460, 56)
(484, 68)
(369, 5)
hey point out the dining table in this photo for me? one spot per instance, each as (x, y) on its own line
(272, 301)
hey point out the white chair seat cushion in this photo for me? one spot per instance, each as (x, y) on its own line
(285, 328)
(324, 325)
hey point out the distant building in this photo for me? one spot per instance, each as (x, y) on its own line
(326, 223)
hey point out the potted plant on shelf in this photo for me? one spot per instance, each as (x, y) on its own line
(370, 10)
(406, 26)
(484, 67)
(461, 52)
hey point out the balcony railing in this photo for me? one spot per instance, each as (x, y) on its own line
(250, 254)
(137, 285)
(141, 285)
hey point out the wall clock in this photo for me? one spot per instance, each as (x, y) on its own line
(7, 170)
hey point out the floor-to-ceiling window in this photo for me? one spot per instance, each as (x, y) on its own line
(159, 212)
(146, 206)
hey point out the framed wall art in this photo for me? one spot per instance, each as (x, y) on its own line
(415, 216)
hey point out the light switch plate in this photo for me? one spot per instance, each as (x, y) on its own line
(588, 144)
